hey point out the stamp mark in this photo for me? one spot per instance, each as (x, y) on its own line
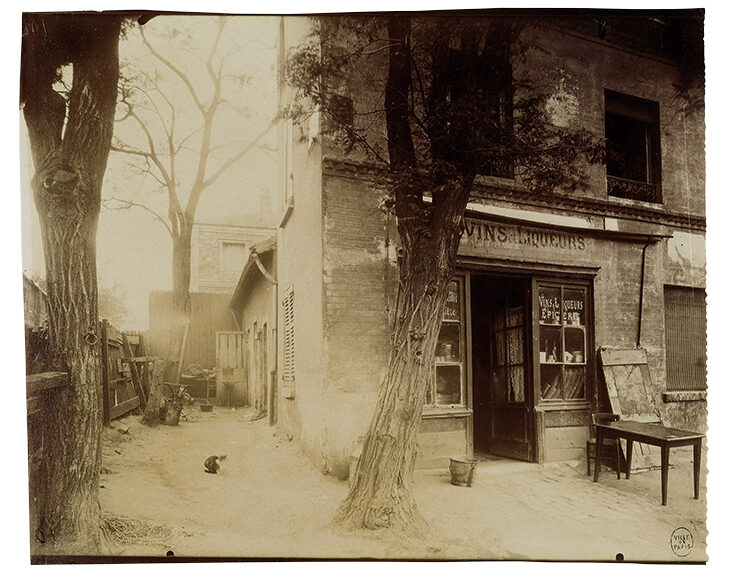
(681, 542)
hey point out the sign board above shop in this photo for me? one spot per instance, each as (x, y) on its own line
(479, 233)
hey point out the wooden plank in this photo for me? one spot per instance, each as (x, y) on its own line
(566, 418)
(143, 359)
(565, 443)
(38, 382)
(442, 424)
(113, 335)
(136, 382)
(132, 339)
(124, 407)
(623, 356)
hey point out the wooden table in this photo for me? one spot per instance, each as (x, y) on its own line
(655, 435)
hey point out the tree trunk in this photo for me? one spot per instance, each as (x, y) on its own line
(69, 168)
(381, 495)
(156, 398)
(181, 250)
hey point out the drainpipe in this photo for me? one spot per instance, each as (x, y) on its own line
(641, 290)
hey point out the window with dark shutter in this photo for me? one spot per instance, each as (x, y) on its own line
(633, 154)
(288, 311)
(685, 327)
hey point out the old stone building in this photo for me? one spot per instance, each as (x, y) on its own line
(545, 282)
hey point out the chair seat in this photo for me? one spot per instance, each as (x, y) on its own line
(606, 441)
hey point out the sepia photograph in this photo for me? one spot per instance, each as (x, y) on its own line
(364, 285)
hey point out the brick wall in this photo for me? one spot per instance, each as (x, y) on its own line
(358, 277)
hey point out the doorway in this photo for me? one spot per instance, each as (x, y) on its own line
(503, 399)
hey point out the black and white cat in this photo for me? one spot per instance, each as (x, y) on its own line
(212, 464)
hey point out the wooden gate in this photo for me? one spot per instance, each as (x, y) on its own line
(230, 368)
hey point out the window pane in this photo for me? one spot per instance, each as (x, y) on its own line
(550, 382)
(452, 308)
(233, 257)
(575, 379)
(448, 384)
(517, 383)
(448, 347)
(499, 348)
(626, 148)
(549, 303)
(574, 345)
(514, 316)
(515, 346)
(550, 345)
(574, 306)
(499, 385)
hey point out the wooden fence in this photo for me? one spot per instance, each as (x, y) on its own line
(126, 371)
(37, 386)
(209, 314)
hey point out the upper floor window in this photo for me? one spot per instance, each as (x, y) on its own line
(487, 88)
(633, 154)
(233, 257)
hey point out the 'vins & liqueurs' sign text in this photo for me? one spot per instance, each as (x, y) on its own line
(483, 233)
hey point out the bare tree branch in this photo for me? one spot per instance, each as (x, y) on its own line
(128, 204)
(231, 161)
(179, 73)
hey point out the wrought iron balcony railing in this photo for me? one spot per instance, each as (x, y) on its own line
(628, 189)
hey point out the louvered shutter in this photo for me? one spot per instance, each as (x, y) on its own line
(685, 325)
(288, 311)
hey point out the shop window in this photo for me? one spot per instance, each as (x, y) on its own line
(447, 387)
(685, 328)
(633, 155)
(288, 314)
(562, 315)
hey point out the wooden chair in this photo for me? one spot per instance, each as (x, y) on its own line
(600, 418)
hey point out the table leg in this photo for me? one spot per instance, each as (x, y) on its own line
(665, 473)
(629, 452)
(597, 461)
(697, 462)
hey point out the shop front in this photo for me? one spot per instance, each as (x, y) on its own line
(515, 373)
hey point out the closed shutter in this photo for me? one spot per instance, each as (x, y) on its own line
(288, 310)
(685, 325)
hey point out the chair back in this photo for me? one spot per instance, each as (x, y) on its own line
(601, 418)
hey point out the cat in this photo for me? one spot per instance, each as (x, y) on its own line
(212, 464)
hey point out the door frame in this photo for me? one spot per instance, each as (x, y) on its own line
(529, 407)
(533, 273)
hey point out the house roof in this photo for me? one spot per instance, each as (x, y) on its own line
(251, 268)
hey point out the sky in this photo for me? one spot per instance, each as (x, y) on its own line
(134, 250)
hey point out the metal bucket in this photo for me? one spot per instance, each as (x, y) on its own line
(462, 471)
(170, 413)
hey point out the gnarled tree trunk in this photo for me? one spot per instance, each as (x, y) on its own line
(70, 162)
(381, 495)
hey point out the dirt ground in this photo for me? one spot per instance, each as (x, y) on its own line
(269, 501)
